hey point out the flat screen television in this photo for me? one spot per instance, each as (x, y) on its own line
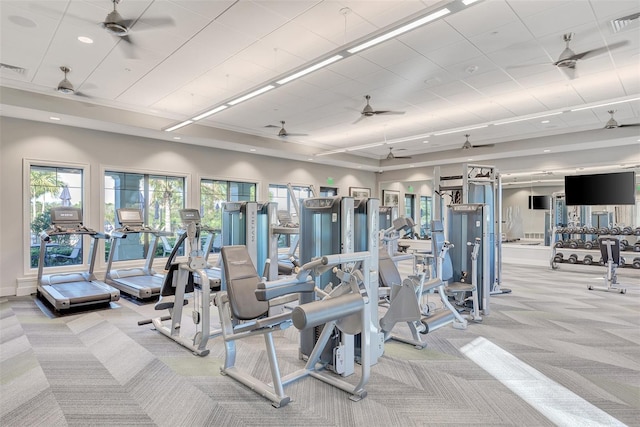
(600, 189)
(540, 202)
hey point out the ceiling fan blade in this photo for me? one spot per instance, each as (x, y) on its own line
(386, 112)
(358, 119)
(599, 51)
(629, 124)
(483, 145)
(273, 126)
(294, 134)
(154, 22)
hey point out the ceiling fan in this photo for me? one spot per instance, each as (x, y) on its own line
(612, 123)
(66, 87)
(368, 111)
(283, 132)
(117, 26)
(467, 145)
(568, 58)
(392, 156)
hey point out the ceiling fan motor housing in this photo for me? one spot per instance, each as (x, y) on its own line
(113, 25)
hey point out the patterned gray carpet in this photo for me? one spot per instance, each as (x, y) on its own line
(100, 368)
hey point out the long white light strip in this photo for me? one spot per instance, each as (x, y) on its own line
(604, 105)
(468, 2)
(178, 126)
(362, 147)
(326, 153)
(251, 95)
(209, 113)
(460, 130)
(310, 69)
(527, 118)
(398, 31)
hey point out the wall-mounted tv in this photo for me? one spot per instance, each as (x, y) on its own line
(600, 189)
(540, 202)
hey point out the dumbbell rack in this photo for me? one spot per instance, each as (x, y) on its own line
(586, 251)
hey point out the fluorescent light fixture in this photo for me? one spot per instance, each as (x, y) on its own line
(209, 113)
(468, 2)
(326, 153)
(310, 69)
(604, 105)
(362, 147)
(527, 118)
(178, 126)
(84, 39)
(546, 151)
(460, 130)
(177, 138)
(251, 95)
(54, 118)
(398, 31)
(253, 150)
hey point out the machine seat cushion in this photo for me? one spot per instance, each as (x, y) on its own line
(242, 281)
(387, 270)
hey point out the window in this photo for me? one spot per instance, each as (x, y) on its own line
(409, 205)
(159, 197)
(283, 196)
(328, 191)
(426, 215)
(213, 193)
(51, 186)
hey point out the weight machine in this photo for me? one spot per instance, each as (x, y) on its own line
(610, 250)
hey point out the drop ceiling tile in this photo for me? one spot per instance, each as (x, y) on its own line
(612, 9)
(254, 21)
(416, 68)
(525, 8)
(566, 15)
(599, 86)
(630, 77)
(453, 53)
(207, 9)
(432, 37)
(298, 41)
(488, 78)
(354, 67)
(389, 53)
(502, 37)
(468, 24)
(520, 103)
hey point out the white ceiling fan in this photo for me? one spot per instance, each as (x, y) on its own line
(467, 145)
(122, 28)
(368, 111)
(392, 156)
(613, 124)
(568, 59)
(283, 132)
(66, 87)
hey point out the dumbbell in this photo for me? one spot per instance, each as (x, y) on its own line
(603, 230)
(588, 244)
(593, 230)
(573, 258)
(624, 244)
(558, 257)
(622, 262)
(627, 231)
(637, 231)
(601, 261)
(588, 260)
(636, 262)
(636, 247)
(560, 244)
(615, 230)
(573, 244)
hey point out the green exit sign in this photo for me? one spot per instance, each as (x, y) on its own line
(330, 181)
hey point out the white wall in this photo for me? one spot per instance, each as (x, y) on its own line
(517, 199)
(21, 139)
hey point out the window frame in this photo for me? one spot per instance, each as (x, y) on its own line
(27, 164)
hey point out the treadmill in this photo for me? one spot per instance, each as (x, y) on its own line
(68, 290)
(140, 282)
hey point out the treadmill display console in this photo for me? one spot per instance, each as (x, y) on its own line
(66, 215)
(189, 215)
(129, 216)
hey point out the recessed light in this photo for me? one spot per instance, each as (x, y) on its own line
(54, 118)
(176, 137)
(252, 150)
(311, 159)
(412, 166)
(547, 151)
(84, 39)
(425, 142)
(545, 121)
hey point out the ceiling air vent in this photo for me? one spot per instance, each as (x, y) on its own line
(13, 68)
(620, 24)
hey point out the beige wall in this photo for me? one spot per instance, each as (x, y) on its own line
(21, 139)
